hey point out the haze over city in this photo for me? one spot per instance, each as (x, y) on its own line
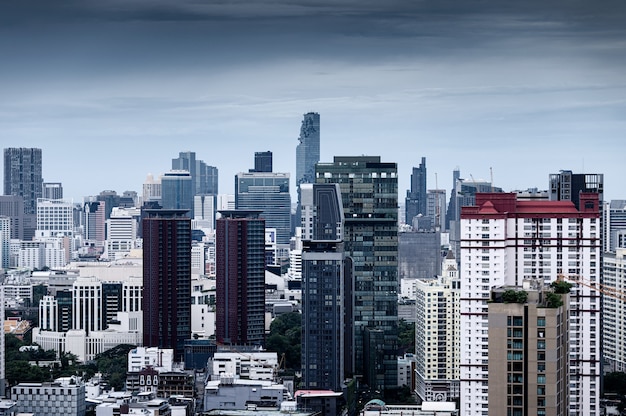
(113, 91)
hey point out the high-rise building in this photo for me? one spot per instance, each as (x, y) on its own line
(55, 217)
(436, 207)
(307, 155)
(438, 334)
(369, 192)
(567, 186)
(308, 149)
(613, 310)
(166, 279)
(111, 200)
(614, 225)
(203, 177)
(326, 282)
(52, 190)
(22, 175)
(240, 278)
(87, 310)
(262, 162)
(5, 240)
(415, 203)
(177, 191)
(122, 229)
(186, 161)
(151, 189)
(506, 241)
(528, 351)
(268, 192)
(12, 206)
(95, 222)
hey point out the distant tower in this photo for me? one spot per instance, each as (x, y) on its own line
(307, 154)
(176, 191)
(262, 161)
(187, 161)
(268, 192)
(52, 190)
(567, 186)
(5, 240)
(415, 202)
(166, 279)
(325, 284)
(240, 280)
(95, 223)
(371, 240)
(22, 175)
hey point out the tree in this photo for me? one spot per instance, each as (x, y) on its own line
(553, 300)
(406, 336)
(514, 296)
(285, 338)
(561, 286)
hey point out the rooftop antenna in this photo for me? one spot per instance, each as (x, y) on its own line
(491, 177)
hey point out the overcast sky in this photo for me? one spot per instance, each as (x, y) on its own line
(112, 90)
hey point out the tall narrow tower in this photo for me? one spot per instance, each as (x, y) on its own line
(166, 279)
(369, 191)
(240, 278)
(307, 154)
(22, 175)
(416, 196)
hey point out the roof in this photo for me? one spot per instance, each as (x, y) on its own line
(316, 393)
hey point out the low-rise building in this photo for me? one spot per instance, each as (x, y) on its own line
(58, 398)
(231, 393)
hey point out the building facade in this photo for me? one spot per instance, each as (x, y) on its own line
(268, 192)
(614, 314)
(505, 241)
(166, 279)
(438, 335)
(49, 398)
(369, 192)
(415, 202)
(177, 191)
(52, 190)
(240, 280)
(324, 278)
(22, 175)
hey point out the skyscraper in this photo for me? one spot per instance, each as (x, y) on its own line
(166, 279)
(52, 190)
(567, 186)
(307, 155)
(268, 192)
(415, 203)
(262, 161)
(506, 241)
(95, 223)
(369, 191)
(324, 280)
(22, 175)
(177, 191)
(240, 278)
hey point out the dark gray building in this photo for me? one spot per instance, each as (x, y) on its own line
(567, 186)
(369, 191)
(262, 162)
(415, 203)
(22, 175)
(419, 254)
(325, 282)
(307, 155)
(176, 191)
(52, 190)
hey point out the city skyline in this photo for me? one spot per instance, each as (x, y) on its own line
(111, 92)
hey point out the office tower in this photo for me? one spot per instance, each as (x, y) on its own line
(419, 254)
(262, 162)
(122, 229)
(87, 304)
(151, 189)
(323, 288)
(506, 241)
(307, 155)
(614, 225)
(5, 240)
(436, 207)
(240, 279)
(268, 192)
(111, 200)
(204, 209)
(166, 279)
(415, 202)
(308, 149)
(55, 217)
(210, 181)
(22, 175)
(12, 206)
(567, 186)
(187, 161)
(52, 190)
(613, 311)
(528, 351)
(95, 222)
(451, 213)
(129, 199)
(176, 191)
(369, 191)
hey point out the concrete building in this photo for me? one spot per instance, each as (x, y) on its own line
(22, 175)
(326, 289)
(614, 225)
(5, 242)
(12, 206)
(369, 192)
(419, 254)
(253, 365)
(50, 398)
(160, 359)
(567, 186)
(231, 393)
(240, 281)
(438, 334)
(614, 312)
(121, 232)
(436, 208)
(528, 351)
(52, 190)
(506, 241)
(55, 217)
(166, 279)
(95, 222)
(152, 189)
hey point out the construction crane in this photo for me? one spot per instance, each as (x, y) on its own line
(599, 287)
